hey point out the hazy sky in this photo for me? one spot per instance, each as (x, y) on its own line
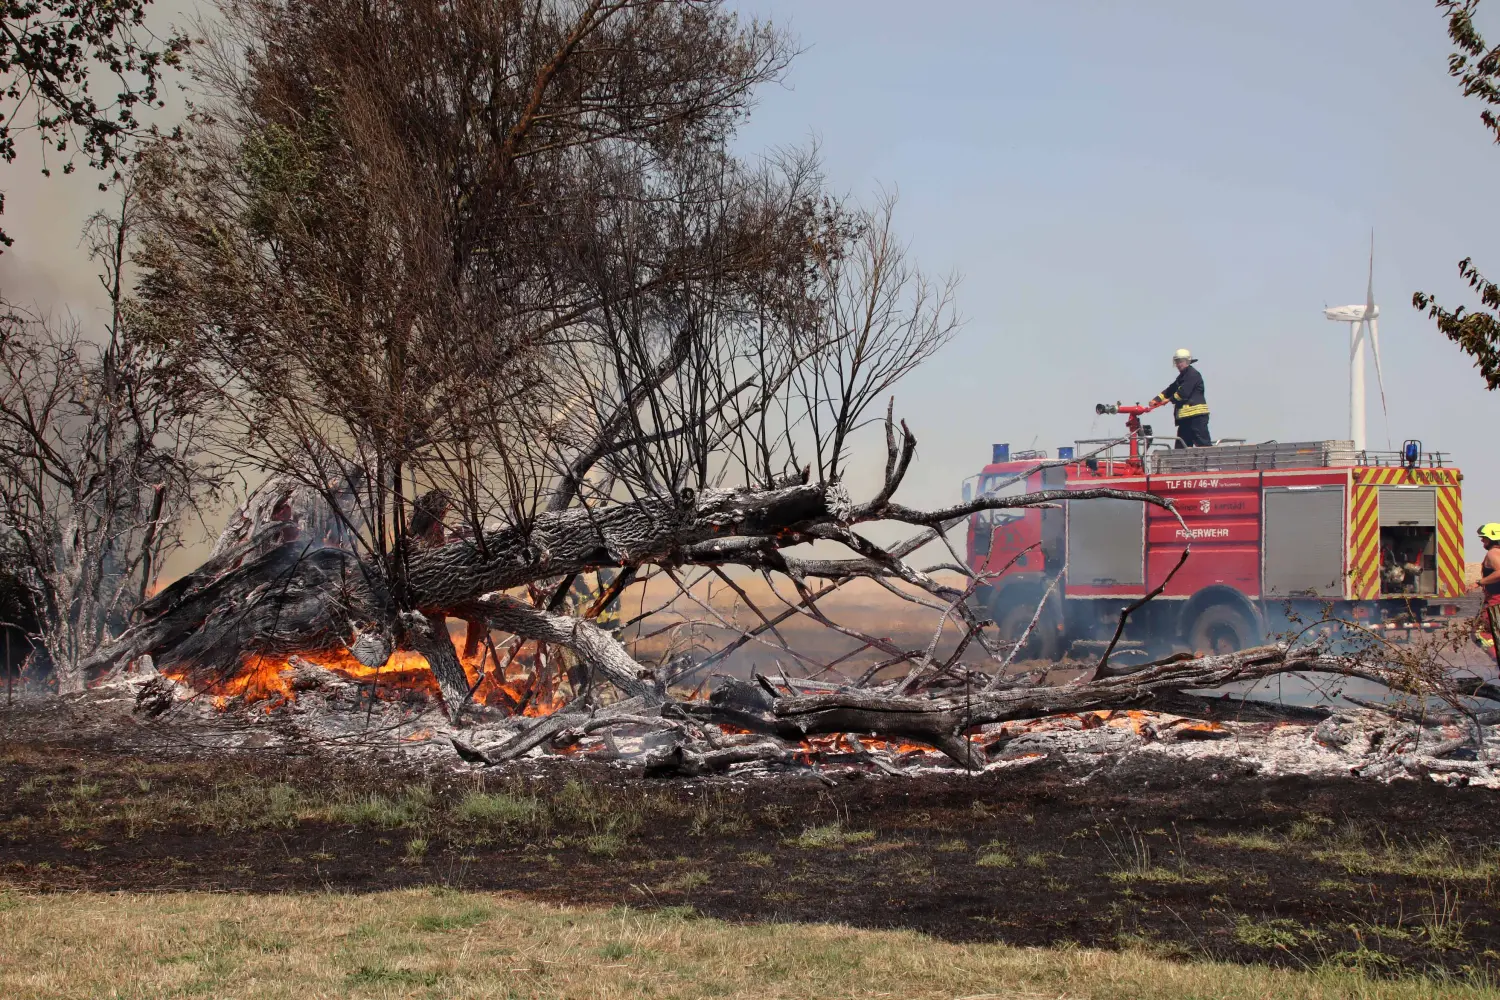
(1115, 181)
(1118, 180)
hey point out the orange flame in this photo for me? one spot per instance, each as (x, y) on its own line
(270, 680)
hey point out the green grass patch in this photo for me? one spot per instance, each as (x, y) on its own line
(832, 836)
(367, 975)
(718, 814)
(471, 916)
(1310, 827)
(1166, 876)
(1359, 851)
(231, 807)
(500, 809)
(412, 806)
(685, 882)
(1436, 859)
(608, 843)
(1276, 932)
(1246, 841)
(996, 859)
(1443, 925)
(85, 790)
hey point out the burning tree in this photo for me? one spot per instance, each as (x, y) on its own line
(498, 263)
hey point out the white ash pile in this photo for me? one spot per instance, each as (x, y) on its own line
(1245, 738)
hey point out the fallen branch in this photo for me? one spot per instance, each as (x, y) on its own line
(680, 759)
(543, 730)
(940, 722)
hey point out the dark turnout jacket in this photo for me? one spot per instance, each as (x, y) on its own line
(1186, 395)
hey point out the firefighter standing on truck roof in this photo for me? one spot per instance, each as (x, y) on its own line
(1189, 408)
(1489, 580)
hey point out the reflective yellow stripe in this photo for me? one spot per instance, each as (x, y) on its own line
(1364, 543)
(1196, 410)
(1450, 541)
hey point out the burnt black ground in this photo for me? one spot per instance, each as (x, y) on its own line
(1206, 861)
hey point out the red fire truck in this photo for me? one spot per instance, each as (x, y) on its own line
(1275, 528)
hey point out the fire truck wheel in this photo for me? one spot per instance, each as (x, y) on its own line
(1043, 643)
(1221, 628)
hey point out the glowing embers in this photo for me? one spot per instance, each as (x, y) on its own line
(522, 684)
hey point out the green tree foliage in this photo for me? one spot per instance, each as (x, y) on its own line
(441, 239)
(1476, 66)
(52, 54)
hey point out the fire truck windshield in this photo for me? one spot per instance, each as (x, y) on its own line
(990, 486)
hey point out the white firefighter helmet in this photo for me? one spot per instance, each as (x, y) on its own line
(1183, 354)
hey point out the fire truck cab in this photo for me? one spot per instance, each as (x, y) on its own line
(1277, 530)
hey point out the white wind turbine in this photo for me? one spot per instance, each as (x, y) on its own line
(1359, 319)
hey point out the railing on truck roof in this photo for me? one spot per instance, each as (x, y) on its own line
(1426, 460)
(1282, 455)
(1259, 456)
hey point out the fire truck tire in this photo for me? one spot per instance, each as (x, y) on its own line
(1222, 628)
(1044, 643)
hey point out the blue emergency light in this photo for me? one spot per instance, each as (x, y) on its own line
(1001, 453)
(1065, 454)
(1411, 451)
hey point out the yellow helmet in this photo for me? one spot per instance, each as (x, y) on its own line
(1490, 532)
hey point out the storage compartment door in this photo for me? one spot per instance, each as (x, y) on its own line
(1408, 506)
(1304, 542)
(1106, 543)
(1054, 522)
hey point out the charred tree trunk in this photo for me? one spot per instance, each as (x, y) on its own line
(304, 595)
(429, 636)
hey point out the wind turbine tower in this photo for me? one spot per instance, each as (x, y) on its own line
(1361, 319)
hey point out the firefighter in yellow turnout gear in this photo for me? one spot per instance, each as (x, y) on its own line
(1189, 407)
(1489, 582)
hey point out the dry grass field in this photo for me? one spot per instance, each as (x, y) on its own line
(445, 944)
(127, 871)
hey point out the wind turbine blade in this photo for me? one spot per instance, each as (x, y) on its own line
(1374, 347)
(1379, 378)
